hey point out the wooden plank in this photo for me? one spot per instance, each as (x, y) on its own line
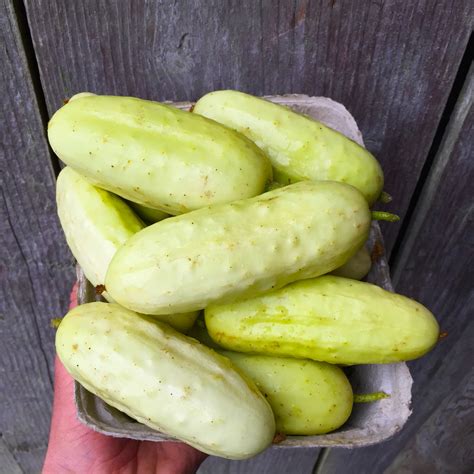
(35, 266)
(271, 461)
(392, 62)
(446, 390)
(445, 442)
(439, 249)
(8, 464)
(436, 267)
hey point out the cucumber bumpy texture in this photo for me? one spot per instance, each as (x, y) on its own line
(307, 397)
(239, 249)
(96, 224)
(299, 147)
(165, 380)
(157, 155)
(329, 319)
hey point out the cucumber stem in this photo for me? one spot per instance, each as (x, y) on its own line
(278, 438)
(370, 397)
(385, 198)
(55, 322)
(384, 216)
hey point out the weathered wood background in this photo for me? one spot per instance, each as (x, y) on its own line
(400, 66)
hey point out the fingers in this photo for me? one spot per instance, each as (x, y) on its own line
(170, 457)
(63, 382)
(73, 296)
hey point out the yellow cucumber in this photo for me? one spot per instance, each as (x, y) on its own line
(356, 267)
(299, 147)
(148, 214)
(96, 224)
(157, 155)
(307, 397)
(165, 380)
(329, 319)
(182, 322)
(240, 249)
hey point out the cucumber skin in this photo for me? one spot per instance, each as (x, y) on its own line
(331, 319)
(165, 380)
(307, 397)
(148, 214)
(299, 147)
(96, 224)
(157, 155)
(241, 249)
(357, 267)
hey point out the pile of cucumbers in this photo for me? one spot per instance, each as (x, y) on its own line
(247, 211)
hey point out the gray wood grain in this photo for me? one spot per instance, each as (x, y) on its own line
(271, 461)
(445, 442)
(427, 427)
(34, 262)
(391, 62)
(8, 464)
(436, 267)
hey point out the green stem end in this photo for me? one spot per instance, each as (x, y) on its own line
(55, 322)
(370, 397)
(384, 216)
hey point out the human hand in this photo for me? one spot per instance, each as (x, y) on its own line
(74, 448)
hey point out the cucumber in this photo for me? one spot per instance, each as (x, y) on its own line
(299, 147)
(307, 397)
(240, 249)
(329, 319)
(182, 322)
(148, 214)
(356, 267)
(165, 380)
(157, 155)
(96, 224)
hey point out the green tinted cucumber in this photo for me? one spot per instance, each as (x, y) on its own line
(182, 322)
(96, 224)
(299, 147)
(157, 155)
(148, 214)
(356, 267)
(165, 380)
(307, 397)
(240, 249)
(330, 319)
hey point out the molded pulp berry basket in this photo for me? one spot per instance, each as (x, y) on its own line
(369, 423)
